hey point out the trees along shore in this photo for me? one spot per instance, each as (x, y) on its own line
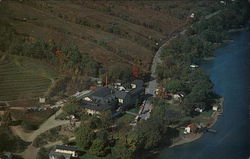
(175, 74)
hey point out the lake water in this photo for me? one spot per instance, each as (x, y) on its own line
(229, 72)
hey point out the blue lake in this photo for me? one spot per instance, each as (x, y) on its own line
(229, 72)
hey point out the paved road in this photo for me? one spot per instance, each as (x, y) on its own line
(146, 111)
(152, 85)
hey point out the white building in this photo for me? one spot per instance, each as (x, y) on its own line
(63, 150)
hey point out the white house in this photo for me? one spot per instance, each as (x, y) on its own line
(194, 66)
(41, 100)
(215, 108)
(187, 130)
(177, 96)
(63, 150)
(200, 110)
(192, 15)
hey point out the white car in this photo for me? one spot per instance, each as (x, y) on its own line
(194, 66)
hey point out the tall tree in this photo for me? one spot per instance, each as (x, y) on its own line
(98, 147)
(84, 137)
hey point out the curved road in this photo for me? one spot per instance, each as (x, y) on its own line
(152, 85)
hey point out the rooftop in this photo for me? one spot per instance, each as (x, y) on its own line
(101, 92)
(138, 83)
(59, 154)
(96, 106)
(65, 147)
(120, 94)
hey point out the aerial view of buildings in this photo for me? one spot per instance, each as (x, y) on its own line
(138, 79)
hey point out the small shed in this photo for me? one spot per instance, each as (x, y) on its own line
(187, 130)
(42, 100)
(191, 128)
(192, 15)
(177, 96)
(215, 108)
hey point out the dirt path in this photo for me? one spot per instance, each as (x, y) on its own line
(48, 124)
(31, 151)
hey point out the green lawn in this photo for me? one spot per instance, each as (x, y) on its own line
(204, 118)
(135, 110)
(207, 113)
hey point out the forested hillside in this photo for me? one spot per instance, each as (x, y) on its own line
(90, 38)
(110, 32)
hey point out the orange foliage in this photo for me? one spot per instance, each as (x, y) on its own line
(60, 55)
(136, 71)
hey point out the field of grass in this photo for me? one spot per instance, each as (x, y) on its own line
(23, 79)
(126, 118)
(135, 110)
(205, 118)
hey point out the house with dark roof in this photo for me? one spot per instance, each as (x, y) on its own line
(100, 99)
(137, 84)
(130, 97)
(67, 152)
(124, 95)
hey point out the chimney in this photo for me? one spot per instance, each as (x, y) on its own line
(106, 80)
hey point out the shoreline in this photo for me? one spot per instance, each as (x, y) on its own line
(238, 29)
(192, 137)
(215, 115)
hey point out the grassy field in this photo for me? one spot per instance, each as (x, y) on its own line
(126, 118)
(23, 79)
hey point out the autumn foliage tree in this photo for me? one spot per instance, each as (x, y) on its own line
(67, 57)
(6, 118)
(136, 71)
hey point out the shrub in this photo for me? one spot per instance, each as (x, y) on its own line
(39, 141)
(28, 126)
(43, 153)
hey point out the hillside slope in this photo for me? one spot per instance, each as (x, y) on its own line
(113, 33)
(24, 80)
